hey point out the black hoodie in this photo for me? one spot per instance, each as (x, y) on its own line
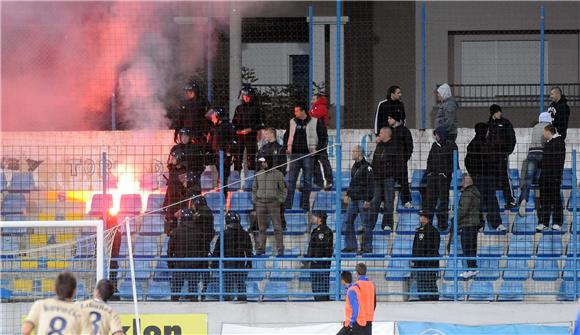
(480, 159)
(560, 112)
(248, 116)
(553, 160)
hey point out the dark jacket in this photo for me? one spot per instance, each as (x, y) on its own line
(321, 246)
(553, 160)
(384, 109)
(501, 136)
(248, 116)
(440, 159)
(383, 160)
(361, 181)
(447, 115)
(275, 152)
(560, 112)
(222, 137)
(191, 114)
(469, 207)
(190, 239)
(237, 244)
(426, 244)
(479, 157)
(300, 144)
(403, 143)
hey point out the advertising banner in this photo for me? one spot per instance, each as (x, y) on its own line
(428, 328)
(166, 324)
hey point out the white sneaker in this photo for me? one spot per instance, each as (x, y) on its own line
(408, 205)
(540, 227)
(387, 228)
(469, 274)
(501, 228)
(522, 210)
(556, 227)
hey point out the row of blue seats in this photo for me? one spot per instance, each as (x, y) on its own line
(20, 182)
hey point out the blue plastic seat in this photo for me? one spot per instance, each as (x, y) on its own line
(454, 268)
(100, 203)
(252, 291)
(130, 204)
(234, 181)
(161, 273)
(206, 180)
(380, 245)
(258, 271)
(568, 273)
(296, 222)
(521, 245)
(13, 203)
(126, 292)
(415, 200)
(417, 178)
(278, 273)
(21, 182)
(146, 246)
(546, 270)
(550, 245)
(213, 201)
(402, 246)
(516, 269)
(448, 291)
(481, 291)
(249, 180)
(3, 182)
(398, 270)
(525, 225)
(488, 269)
(276, 291)
(153, 224)
(511, 291)
(296, 200)
(514, 176)
(325, 201)
(159, 290)
(567, 291)
(154, 202)
(85, 247)
(241, 202)
(570, 205)
(10, 244)
(408, 222)
(567, 177)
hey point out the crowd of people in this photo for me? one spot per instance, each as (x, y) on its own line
(201, 132)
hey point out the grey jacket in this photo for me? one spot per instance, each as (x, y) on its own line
(447, 116)
(269, 186)
(469, 207)
(537, 140)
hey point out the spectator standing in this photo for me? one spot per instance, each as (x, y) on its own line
(383, 169)
(321, 246)
(275, 150)
(205, 234)
(560, 111)
(358, 198)
(222, 137)
(426, 244)
(446, 117)
(550, 180)
(501, 138)
(478, 160)
(531, 165)
(403, 142)
(303, 138)
(392, 105)
(182, 245)
(368, 297)
(247, 121)
(469, 223)
(322, 168)
(237, 244)
(268, 192)
(438, 178)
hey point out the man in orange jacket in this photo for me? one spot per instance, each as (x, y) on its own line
(367, 298)
(354, 322)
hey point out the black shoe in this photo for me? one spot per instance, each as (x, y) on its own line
(366, 251)
(348, 250)
(509, 205)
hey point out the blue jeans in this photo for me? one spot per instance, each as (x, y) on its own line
(306, 164)
(532, 173)
(385, 192)
(354, 208)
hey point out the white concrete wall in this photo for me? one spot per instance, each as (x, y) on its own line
(271, 61)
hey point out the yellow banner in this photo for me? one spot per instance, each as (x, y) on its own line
(166, 324)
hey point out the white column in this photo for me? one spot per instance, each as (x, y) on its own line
(235, 56)
(318, 54)
(333, 72)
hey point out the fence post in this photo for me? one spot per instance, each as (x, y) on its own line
(455, 212)
(310, 51)
(104, 210)
(423, 67)
(542, 23)
(222, 224)
(113, 112)
(338, 181)
(574, 225)
(209, 60)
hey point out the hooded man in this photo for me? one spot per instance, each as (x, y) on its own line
(446, 117)
(531, 165)
(560, 111)
(403, 142)
(477, 162)
(438, 174)
(501, 138)
(322, 168)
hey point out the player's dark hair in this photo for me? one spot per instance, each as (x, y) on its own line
(65, 285)
(106, 289)
(361, 269)
(346, 276)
